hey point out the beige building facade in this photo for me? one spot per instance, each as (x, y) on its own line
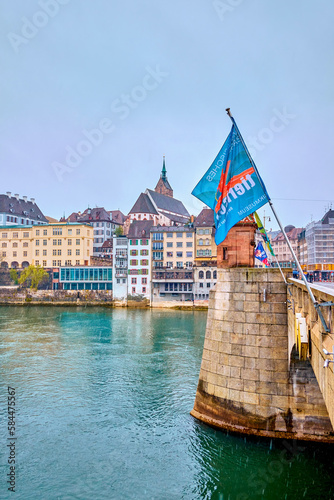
(50, 245)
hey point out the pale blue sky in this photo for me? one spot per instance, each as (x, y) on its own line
(182, 63)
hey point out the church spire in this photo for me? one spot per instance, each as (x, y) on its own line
(163, 171)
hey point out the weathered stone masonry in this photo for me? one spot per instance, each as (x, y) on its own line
(246, 382)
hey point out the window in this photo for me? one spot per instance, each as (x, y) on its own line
(37, 262)
(214, 275)
(59, 252)
(179, 264)
(208, 275)
(144, 281)
(200, 241)
(45, 232)
(69, 232)
(4, 245)
(169, 254)
(77, 252)
(14, 254)
(189, 244)
(14, 245)
(169, 235)
(54, 262)
(189, 254)
(179, 244)
(158, 245)
(68, 262)
(158, 236)
(37, 243)
(207, 241)
(77, 262)
(224, 253)
(37, 232)
(133, 262)
(77, 242)
(25, 254)
(144, 271)
(59, 242)
(44, 252)
(169, 264)
(77, 232)
(189, 235)
(133, 252)
(169, 244)
(144, 262)
(36, 253)
(208, 285)
(25, 244)
(54, 242)
(201, 285)
(133, 290)
(15, 235)
(69, 252)
(201, 275)
(118, 281)
(133, 242)
(57, 230)
(25, 235)
(200, 231)
(144, 242)
(69, 242)
(59, 263)
(144, 252)
(45, 242)
(179, 254)
(133, 281)
(143, 289)
(44, 263)
(54, 252)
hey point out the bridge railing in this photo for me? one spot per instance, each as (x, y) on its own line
(301, 311)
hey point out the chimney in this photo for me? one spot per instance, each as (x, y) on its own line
(32, 200)
(25, 198)
(17, 196)
(9, 194)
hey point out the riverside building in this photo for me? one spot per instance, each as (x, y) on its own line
(52, 245)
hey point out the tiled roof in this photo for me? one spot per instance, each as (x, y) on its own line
(140, 228)
(168, 203)
(292, 235)
(20, 208)
(94, 214)
(143, 205)
(327, 216)
(117, 216)
(205, 218)
(179, 219)
(107, 244)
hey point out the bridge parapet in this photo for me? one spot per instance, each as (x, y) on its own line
(317, 339)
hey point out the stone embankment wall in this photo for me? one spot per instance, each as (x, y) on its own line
(23, 296)
(247, 383)
(301, 303)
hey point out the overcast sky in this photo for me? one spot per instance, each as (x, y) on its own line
(95, 92)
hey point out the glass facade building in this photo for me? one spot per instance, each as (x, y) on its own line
(86, 278)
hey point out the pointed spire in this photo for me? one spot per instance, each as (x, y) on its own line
(163, 171)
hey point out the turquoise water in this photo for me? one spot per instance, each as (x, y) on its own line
(103, 399)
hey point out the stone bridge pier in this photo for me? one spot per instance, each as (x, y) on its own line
(253, 380)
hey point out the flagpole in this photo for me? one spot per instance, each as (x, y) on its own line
(315, 303)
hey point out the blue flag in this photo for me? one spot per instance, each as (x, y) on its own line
(232, 186)
(261, 254)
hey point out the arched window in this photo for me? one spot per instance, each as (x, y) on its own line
(208, 275)
(200, 241)
(207, 241)
(201, 275)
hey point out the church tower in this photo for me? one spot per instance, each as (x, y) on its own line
(163, 186)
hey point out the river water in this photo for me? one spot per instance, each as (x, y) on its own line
(102, 412)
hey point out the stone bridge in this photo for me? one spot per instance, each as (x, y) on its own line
(262, 369)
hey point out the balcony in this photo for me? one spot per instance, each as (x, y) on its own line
(178, 275)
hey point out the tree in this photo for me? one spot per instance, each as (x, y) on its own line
(119, 231)
(33, 276)
(13, 275)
